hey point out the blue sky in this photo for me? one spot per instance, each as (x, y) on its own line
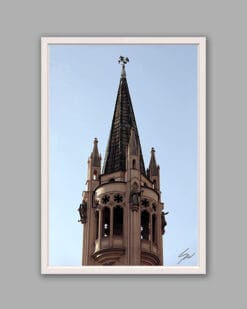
(83, 83)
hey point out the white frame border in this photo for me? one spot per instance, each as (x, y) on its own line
(127, 270)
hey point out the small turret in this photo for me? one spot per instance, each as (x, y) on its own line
(153, 171)
(95, 156)
(94, 163)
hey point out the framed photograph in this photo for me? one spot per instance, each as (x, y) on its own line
(123, 162)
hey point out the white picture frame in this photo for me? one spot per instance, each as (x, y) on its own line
(200, 268)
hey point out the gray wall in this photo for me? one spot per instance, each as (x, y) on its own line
(21, 25)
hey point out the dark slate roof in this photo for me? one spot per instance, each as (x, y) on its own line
(122, 122)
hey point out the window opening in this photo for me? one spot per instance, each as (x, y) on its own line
(154, 228)
(118, 220)
(145, 225)
(97, 224)
(94, 175)
(106, 222)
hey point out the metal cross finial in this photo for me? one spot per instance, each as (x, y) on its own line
(123, 60)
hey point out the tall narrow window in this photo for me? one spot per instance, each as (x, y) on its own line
(154, 239)
(145, 225)
(134, 164)
(94, 175)
(106, 222)
(154, 184)
(118, 220)
(97, 224)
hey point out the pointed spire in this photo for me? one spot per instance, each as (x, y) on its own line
(95, 156)
(153, 169)
(123, 73)
(122, 123)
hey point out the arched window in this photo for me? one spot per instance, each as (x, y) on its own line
(97, 224)
(106, 221)
(94, 175)
(154, 184)
(134, 164)
(117, 220)
(145, 225)
(154, 238)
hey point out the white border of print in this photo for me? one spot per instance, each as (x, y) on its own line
(135, 270)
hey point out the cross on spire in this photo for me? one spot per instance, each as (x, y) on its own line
(123, 60)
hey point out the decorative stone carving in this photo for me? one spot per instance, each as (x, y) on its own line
(118, 198)
(83, 212)
(134, 200)
(96, 204)
(145, 202)
(154, 206)
(163, 222)
(105, 199)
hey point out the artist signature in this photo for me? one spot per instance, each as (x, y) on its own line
(185, 255)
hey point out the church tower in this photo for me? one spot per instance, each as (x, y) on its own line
(121, 210)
